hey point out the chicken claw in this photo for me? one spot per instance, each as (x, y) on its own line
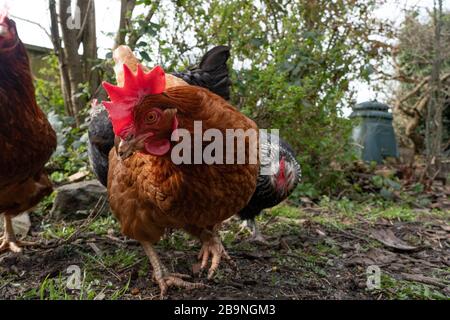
(214, 248)
(14, 246)
(8, 240)
(164, 278)
(9, 245)
(256, 236)
(167, 280)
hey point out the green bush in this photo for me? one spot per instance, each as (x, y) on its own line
(291, 66)
(71, 153)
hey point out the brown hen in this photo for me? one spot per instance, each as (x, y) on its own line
(148, 193)
(26, 138)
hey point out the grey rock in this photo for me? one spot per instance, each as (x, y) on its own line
(76, 200)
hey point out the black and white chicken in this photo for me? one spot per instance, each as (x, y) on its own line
(278, 158)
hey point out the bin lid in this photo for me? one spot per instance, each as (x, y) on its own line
(371, 105)
(371, 109)
(372, 114)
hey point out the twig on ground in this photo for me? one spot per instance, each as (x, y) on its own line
(5, 284)
(423, 279)
(353, 235)
(95, 212)
(131, 266)
(101, 264)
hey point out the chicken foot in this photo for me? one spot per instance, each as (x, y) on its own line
(213, 247)
(256, 236)
(164, 278)
(8, 240)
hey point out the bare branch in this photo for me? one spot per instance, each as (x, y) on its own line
(85, 19)
(35, 23)
(126, 11)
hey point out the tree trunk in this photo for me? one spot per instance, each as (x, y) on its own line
(435, 105)
(88, 35)
(77, 28)
(72, 59)
(56, 40)
(126, 11)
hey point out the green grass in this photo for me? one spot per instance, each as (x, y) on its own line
(120, 259)
(398, 213)
(57, 230)
(344, 212)
(56, 289)
(90, 289)
(407, 290)
(286, 211)
(102, 225)
(329, 221)
(328, 247)
(63, 230)
(45, 205)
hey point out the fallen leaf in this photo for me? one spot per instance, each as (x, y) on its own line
(321, 233)
(100, 296)
(78, 176)
(135, 291)
(386, 172)
(388, 238)
(305, 200)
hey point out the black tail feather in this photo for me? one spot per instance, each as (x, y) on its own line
(211, 73)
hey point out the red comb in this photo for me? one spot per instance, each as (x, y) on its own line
(123, 99)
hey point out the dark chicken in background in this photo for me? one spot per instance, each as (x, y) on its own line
(212, 74)
(271, 189)
(26, 138)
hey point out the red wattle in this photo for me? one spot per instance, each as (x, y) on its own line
(157, 147)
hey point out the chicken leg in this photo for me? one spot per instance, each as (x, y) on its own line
(256, 236)
(8, 239)
(164, 278)
(213, 246)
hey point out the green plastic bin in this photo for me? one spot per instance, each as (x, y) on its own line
(374, 135)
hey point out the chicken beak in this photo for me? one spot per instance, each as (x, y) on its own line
(126, 149)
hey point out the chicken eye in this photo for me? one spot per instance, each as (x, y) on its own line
(151, 117)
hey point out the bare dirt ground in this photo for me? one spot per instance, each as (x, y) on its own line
(320, 252)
